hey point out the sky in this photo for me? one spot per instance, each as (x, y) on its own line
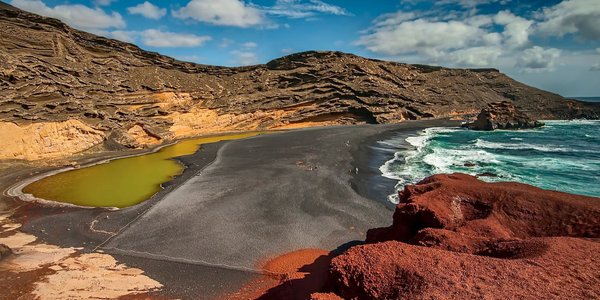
(550, 44)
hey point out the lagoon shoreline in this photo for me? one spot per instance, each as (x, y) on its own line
(91, 228)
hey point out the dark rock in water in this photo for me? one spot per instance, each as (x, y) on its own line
(502, 115)
(5, 251)
(470, 164)
(487, 174)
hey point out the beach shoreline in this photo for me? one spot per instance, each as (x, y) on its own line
(70, 227)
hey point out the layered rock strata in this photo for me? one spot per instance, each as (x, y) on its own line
(52, 73)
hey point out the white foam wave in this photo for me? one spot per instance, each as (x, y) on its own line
(443, 160)
(572, 122)
(520, 146)
(390, 170)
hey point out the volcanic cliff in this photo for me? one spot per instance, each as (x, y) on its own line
(456, 237)
(103, 93)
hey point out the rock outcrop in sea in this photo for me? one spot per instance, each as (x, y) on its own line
(456, 237)
(502, 115)
(51, 73)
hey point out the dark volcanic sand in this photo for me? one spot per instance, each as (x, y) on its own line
(205, 234)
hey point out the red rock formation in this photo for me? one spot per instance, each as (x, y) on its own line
(293, 275)
(568, 269)
(455, 237)
(464, 205)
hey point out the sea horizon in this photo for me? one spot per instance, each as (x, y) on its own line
(586, 99)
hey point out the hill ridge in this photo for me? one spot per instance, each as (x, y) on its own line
(51, 73)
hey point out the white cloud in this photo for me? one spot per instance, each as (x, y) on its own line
(579, 17)
(516, 29)
(190, 58)
(124, 36)
(397, 34)
(249, 45)
(596, 66)
(225, 43)
(76, 15)
(537, 59)
(476, 56)
(300, 9)
(245, 58)
(104, 2)
(158, 38)
(469, 4)
(148, 10)
(222, 12)
(454, 40)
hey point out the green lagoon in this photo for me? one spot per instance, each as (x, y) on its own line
(121, 182)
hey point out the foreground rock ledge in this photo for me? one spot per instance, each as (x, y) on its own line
(455, 237)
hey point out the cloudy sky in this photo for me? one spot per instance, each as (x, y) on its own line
(553, 45)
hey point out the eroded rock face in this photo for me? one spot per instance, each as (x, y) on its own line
(456, 237)
(502, 115)
(50, 72)
(5, 251)
(47, 139)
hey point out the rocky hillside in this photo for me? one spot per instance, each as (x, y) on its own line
(57, 81)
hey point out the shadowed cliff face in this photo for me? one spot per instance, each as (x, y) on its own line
(50, 72)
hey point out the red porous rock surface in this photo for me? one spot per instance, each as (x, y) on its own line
(568, 268)
(462, 205)
(456, 237)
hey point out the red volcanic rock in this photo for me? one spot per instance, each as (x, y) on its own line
(456, 237)
(568, 269)
(504, 210)
(324, 296)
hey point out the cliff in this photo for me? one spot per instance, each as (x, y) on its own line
(51, 73)
(455, 237)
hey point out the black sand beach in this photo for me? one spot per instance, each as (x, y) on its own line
(240, 202)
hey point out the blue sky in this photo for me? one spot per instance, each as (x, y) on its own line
(553, 45)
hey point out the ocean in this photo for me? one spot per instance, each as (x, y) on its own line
(562, 156)
(587, 99)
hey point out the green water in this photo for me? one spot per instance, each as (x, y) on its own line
(121, 182)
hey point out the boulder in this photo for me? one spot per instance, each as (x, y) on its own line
(502, 115)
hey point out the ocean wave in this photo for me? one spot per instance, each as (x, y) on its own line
(565, 157)
(390, 169)
(572, 122)
(391, 143)
(443, 160)
(521, 146)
